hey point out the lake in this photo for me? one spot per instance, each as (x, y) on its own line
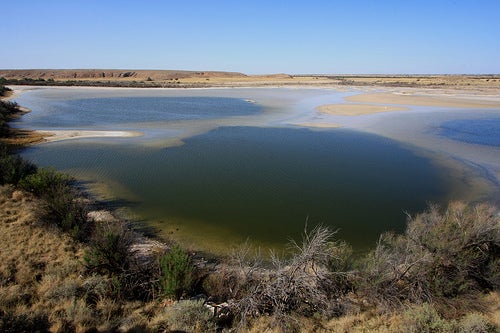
(239, 171)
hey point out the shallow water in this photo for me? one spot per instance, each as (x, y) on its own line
(114, 111)
(245, 169)
(476, 131)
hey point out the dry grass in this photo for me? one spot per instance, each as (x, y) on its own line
(22, 138)
(493, 307)
(45, 286)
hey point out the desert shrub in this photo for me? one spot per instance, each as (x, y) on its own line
(4, 89)
(63, 209)
(61, 204)
(465, 241)
(45, 181)
(236, 278)
(425, 319)
(177, 271)
(13, 168)
(8, 111)
(110, 249)
(340, 264)
(110, 253)
(442, 255)
(185, 316)
(476, 323)
(301, 283)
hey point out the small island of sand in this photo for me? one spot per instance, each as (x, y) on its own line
(356, 109)
(59, 135)
(423, 98)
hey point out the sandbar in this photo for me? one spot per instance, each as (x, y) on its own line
(319, 125)
(427, 99)
(60, 135)
(356, 109)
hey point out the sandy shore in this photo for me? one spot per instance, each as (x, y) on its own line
(400, 100)
(356, 109)
(52, 136)
(428, 99)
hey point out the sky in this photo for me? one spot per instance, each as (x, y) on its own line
(254, 37)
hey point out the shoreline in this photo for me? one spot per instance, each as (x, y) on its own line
(62, 135)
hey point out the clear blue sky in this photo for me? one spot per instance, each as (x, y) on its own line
(349, 36)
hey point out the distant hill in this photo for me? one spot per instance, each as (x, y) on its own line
(113, 74)
(202, 79)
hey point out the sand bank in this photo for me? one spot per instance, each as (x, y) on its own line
(51, 136)
(318, 125)
(356, 109)
(416, 99)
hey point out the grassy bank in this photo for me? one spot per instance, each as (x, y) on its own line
(67, 266)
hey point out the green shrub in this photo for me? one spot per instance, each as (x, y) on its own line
(109, 251)
(176, 272)
(44, 182)
(8, 111)
(4, 89)
(63, 208)
(61, 204)
(13, 168)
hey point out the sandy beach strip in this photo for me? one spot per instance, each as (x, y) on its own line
(60, 135)
(417, 99)
(356, 109)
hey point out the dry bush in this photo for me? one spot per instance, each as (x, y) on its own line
(442, 256)
(476, 323)
(299, 285)
(110, 253)
(110, 249)
(236, 277)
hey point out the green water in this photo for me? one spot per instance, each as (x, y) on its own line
(263, 183)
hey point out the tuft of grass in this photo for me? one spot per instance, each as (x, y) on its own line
(185, 316)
